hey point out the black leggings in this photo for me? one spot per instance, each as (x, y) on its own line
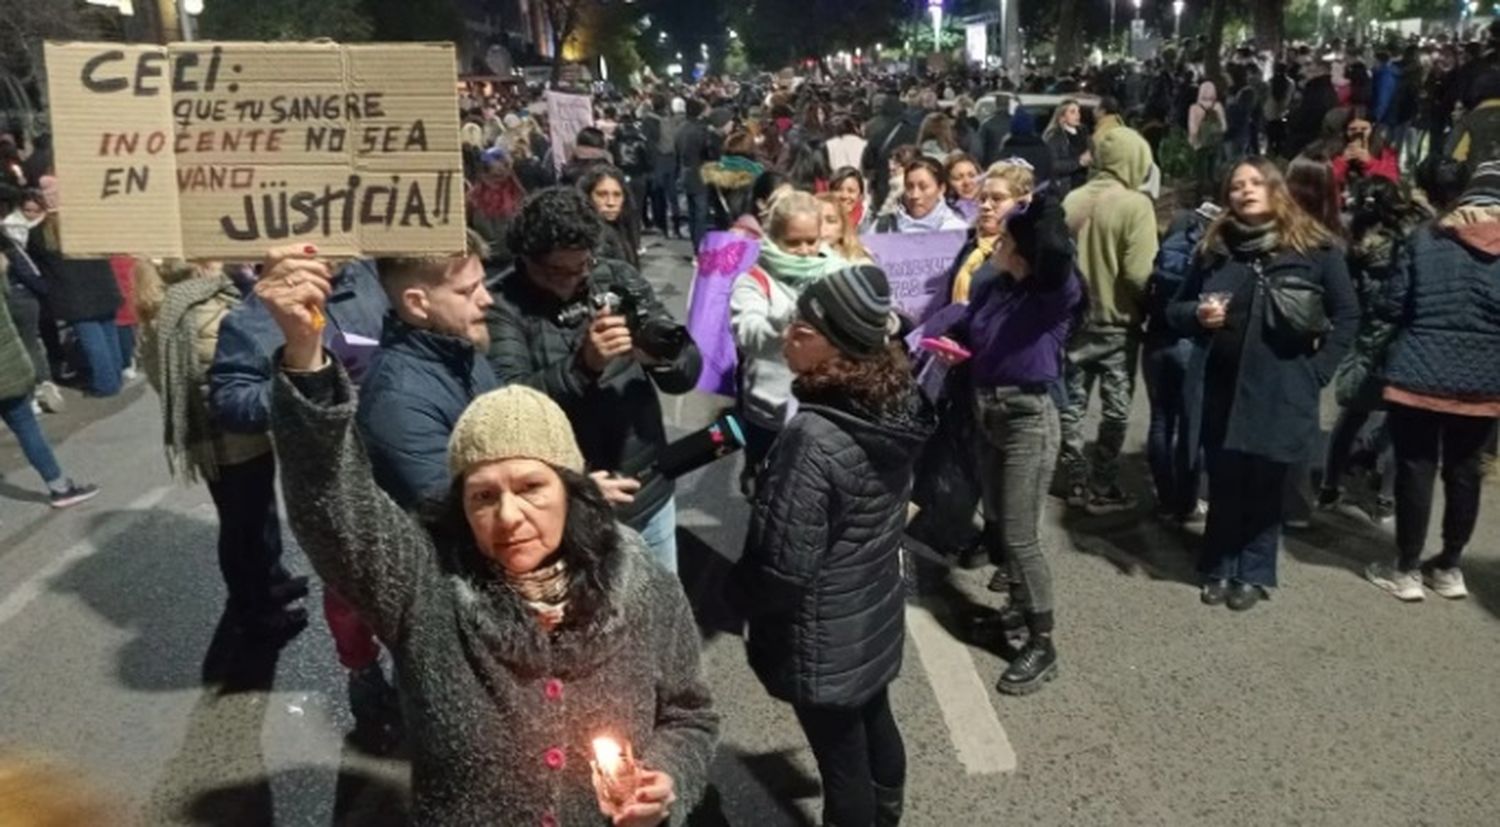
(857, 748)
(1421, 438)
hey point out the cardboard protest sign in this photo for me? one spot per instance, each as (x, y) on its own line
(566, 115)
(721, 259)
(223, 150)
(917, 266)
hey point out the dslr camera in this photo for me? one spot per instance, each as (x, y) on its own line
(657, 338)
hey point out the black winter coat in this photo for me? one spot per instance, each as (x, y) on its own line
(616, 416)
(78, 289)
(820, 578)
(992, 135)
(1274, 411)
(1444, 297)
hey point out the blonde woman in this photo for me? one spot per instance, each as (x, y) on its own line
(1005, 185)
(838, 230)
(762, 306)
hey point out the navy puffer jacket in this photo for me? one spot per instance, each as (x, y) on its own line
(1445, 299)
(820, 579)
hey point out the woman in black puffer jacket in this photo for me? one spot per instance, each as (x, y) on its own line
(1443, 383)
(821, 572)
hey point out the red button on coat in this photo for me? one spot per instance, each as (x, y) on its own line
(549, 820)
(553, 689)
(555, 758)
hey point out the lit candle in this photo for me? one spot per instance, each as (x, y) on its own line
(614, 770)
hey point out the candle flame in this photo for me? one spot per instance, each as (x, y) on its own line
(608, 754)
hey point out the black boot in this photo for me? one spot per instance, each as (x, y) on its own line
(889, 802)
(1036, 664)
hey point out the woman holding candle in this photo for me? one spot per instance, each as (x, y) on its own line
(524, 621)
(1272, 311)
(820, 579)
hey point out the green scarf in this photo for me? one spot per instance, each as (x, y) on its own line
(1251, 240)
(797, 272)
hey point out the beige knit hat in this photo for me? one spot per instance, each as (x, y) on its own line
(514, 422)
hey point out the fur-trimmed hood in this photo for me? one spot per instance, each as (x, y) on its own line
(716, 175)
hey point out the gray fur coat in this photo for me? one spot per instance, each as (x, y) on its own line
(499, 715)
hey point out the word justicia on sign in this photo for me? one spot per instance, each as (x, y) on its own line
(359, 203)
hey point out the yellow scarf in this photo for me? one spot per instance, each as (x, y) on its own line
(982, 250)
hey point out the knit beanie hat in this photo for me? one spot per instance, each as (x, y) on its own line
(852, 307)
(514, 422)
(1483, 187)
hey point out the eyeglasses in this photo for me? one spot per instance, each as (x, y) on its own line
(554, 272)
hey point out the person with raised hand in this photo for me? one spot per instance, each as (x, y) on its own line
(524, 621)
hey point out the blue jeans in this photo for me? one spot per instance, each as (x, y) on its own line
(660, 535)
(1243, 534)
(100, 341)
(18, 416)
(1174, 464)
(127, 344)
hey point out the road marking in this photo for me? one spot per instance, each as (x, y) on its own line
(982, 745)
(30, 588)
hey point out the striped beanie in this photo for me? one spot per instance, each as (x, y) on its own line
(852, 308)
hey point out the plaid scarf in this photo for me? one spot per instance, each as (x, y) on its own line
(187, 431)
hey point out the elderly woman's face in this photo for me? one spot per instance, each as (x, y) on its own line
(516, 509)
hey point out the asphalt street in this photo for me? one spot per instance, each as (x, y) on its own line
(1330, 705)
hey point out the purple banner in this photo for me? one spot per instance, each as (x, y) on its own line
(917, 266)
(721, 259)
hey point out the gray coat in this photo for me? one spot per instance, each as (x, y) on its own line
(499, 715)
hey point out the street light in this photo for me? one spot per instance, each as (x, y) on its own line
(1338, 11)
(1321, 4)
(1111, 24)
(935, 8)
(1131, 40)
(1177, 7)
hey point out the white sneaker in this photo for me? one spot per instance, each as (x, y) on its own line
(129, 374)
(36, 408)
(1403, 585)
(50, 397)
(1447, 583)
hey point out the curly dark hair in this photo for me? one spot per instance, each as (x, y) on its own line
(590, 537)
(881, 384)
(556, 218)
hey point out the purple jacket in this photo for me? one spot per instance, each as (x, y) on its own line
(1017, 330)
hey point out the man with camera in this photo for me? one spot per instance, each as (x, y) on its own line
(590, 334)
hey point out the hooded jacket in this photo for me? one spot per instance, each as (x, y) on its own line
(820, 579)
(1114, 227)
(731, 192)
(1444, 298)
(499, 714)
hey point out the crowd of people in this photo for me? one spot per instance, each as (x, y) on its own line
(466, 443)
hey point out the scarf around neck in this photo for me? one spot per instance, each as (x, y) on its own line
(931, 223)
(544, 591)
(1247, 239)
(797, 272)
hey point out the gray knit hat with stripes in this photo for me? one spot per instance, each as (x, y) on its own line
(852, 307)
